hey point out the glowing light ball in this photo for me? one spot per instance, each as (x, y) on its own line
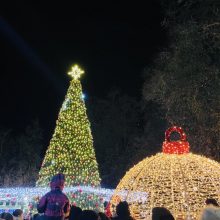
(175, 179)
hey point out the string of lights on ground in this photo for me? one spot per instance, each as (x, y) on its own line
(26, 198)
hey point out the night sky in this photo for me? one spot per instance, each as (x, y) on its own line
(39, 43)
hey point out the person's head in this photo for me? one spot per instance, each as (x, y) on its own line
(2, 215)
(161, 213)
(57, 181)
(75, 213)
(122, 209)
(36, 216)
(18, 214)
(211, 202)
(88, 215)
(6, 216)
(102, 216)
(210, 213)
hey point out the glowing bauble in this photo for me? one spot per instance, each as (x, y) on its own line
(174, 179)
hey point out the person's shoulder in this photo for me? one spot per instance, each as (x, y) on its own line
(210, 212)
(64, 195)
(48, 193)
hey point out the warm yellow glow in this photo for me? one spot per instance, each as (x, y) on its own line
(180, 183)
(71, 148)
(76, 72)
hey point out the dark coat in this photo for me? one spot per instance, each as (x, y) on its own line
(55, 203)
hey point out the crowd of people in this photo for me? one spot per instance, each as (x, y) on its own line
(55, 206)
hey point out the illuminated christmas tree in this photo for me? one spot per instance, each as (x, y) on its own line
(71, 149)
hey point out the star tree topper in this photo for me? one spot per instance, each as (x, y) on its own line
(76, 72)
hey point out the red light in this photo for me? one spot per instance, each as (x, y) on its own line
(175, 147)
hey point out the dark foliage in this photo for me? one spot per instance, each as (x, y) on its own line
(115, 125)
(185, 78)
(20, 156)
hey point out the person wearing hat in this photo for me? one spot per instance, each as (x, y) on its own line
(55, 204)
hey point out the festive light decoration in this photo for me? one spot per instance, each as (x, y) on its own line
(175, 147)
(175, 179)
(71, 149)
(76, 72)
(27, 198)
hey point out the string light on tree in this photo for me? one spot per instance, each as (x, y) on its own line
(71, 149)
(65, 104)
(175, 179)
(83, 96)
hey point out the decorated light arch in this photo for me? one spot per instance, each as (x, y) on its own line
(175, 179)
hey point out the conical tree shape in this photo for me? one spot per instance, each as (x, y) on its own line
(71, 147)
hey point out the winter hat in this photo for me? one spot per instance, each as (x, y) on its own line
(57, 181)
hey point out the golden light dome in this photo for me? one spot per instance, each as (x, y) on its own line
(175, 179)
